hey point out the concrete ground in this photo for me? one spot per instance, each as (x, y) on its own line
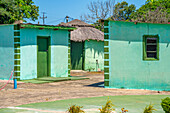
(93, 87)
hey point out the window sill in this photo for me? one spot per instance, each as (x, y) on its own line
(150, 59)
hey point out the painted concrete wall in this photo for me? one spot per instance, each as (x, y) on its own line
(6, 51)
(28, 53)
(94, 50)
(127, 67)
(59, 52)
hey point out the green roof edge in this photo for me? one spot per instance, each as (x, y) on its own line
(48, 27)
(137, 22)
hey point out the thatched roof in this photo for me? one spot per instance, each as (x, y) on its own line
(87, 33)
(84, 31)
(77, 23)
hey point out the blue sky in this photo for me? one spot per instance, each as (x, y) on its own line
(57, 9)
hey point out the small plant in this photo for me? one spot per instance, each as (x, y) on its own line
(75, 109)
(149, 109)
(108, 108)
(166, 104)
(124, 110)
(90, 68)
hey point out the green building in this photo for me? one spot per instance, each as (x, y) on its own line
(87, 46)
(137, 55)
(34, 51)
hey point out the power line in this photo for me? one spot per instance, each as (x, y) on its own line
(55, 20)
(65, 19)
(43, 18)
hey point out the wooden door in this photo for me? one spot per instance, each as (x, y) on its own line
(42, 57)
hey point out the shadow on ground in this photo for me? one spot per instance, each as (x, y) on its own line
(99, 84)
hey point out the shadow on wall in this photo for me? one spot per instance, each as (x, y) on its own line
(93, 50)
(128, 31)
(96, 47)
(94, 55)
(29, 36)
(33, 42)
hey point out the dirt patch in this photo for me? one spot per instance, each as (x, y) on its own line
(32, 93)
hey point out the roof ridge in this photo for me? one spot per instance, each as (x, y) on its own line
(76, 22)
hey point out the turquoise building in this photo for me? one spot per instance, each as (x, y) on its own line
(34, 51)
(137, 55)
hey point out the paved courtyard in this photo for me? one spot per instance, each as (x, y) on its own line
(93, 87)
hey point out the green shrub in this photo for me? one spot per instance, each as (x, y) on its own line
(75, 109)
(166, 104)
(149, 109)
(108, 108)
(124, 110)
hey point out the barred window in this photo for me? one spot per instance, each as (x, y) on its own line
(151, 47)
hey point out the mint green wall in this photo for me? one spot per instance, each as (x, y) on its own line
(127, 67)
(28, 53)
(6, 51)
(59, 52)
(94, 50)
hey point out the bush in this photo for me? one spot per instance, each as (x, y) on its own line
(108, 108)
(75, 109)
(166, 104)
(124, 110)
(149, 109)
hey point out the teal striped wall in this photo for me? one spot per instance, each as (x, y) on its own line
(17, 52)
(106, 54)
(69, 57)
(127, 68)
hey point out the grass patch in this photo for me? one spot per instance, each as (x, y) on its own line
(7, 110)
(133, 103)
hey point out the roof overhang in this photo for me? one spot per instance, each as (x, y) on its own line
(47, 27)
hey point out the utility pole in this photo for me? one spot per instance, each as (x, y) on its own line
(67, 17)
(43, 17)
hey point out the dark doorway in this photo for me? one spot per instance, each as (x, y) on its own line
(77, 55)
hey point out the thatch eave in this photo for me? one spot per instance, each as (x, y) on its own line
(86, 33)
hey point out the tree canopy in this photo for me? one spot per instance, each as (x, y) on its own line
(13, 10)
(153, 11)
(122, 11)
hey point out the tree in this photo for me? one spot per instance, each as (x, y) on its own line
(6, 6)
(122, 11)
(108, 10)
(102, 10)
(153, 11)
(98, 10)
(13, 10)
